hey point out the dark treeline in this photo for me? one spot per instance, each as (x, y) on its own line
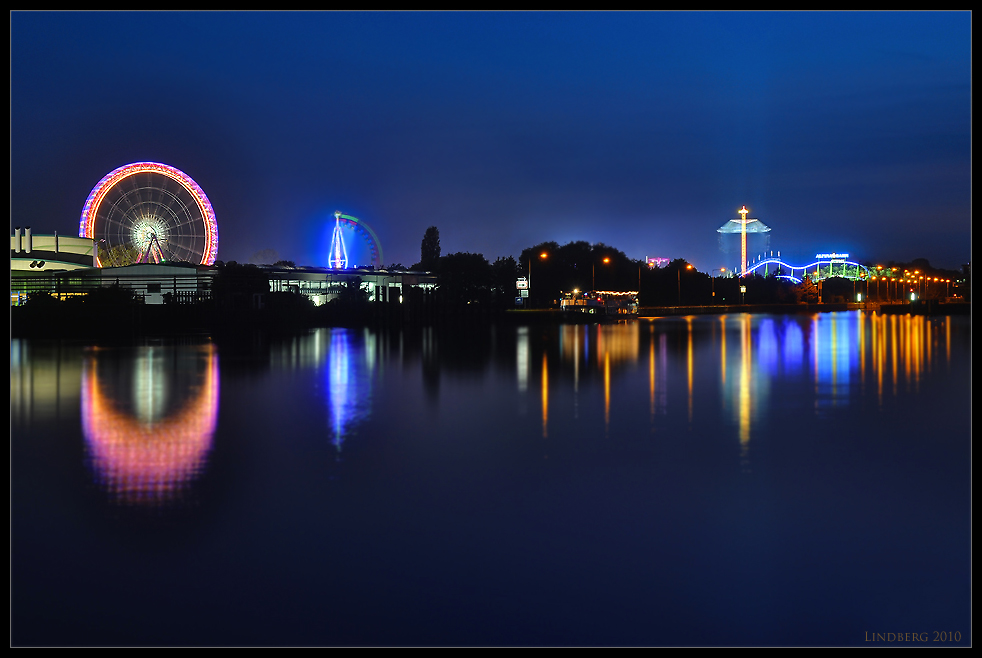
(468, 285)
(556, 269)
(553, 269)
(467, 279)
(470, 282)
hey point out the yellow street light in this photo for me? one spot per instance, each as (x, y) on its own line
(594, 269)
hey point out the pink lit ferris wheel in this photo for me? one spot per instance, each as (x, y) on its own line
(156, 209)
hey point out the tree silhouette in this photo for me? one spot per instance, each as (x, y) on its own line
(429, 251)
(465, 278)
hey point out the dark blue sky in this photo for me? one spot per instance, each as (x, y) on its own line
(646, 131)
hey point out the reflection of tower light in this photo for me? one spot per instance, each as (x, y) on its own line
(143, 462)
(349, 385)
(339, 255)
(722, 349)
(746, 364)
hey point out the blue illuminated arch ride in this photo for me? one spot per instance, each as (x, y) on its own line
(366, 232)
(858, 271)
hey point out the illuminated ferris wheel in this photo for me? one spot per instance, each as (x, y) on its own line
(155, 209)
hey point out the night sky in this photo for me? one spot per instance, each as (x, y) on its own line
(845, 132)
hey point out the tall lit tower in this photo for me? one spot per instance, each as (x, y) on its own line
(743, 226)
(743, 240)
(339, 255)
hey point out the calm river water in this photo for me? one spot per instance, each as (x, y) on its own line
(712, 480)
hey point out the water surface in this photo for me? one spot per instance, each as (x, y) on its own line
(754, 479)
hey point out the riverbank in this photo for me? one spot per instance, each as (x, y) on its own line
(59, 320)
(916, 308)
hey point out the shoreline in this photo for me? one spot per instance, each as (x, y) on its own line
(139, 320)
(916, 308)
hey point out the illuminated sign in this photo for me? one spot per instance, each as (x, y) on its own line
(831, 256)
(522, 284)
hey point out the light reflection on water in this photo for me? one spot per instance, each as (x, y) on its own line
(141, 449)
(145, 446)
(701, 458)
(839, 353)
(350, 371)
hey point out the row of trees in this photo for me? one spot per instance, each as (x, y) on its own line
(468, 278)
(553, 269)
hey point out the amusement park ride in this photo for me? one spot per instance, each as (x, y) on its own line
(338, 257)
(743, 226)
(147, 205)
(164, 215)
(825, 265)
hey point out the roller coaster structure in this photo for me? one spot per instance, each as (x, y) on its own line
(821, 269)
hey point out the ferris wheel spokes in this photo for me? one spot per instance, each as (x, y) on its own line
(150, 206)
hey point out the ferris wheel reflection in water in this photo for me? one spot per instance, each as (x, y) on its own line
(149, 420)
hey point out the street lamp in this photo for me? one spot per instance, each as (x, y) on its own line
(594, 283)
(542, 255)
(679, 277)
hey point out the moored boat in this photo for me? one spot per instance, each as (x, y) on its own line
(604, 303)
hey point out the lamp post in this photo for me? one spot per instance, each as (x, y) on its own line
(679, 277)
(542, 255)
(594, 283)
(713, 282)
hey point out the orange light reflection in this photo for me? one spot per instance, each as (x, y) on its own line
(149, 462)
